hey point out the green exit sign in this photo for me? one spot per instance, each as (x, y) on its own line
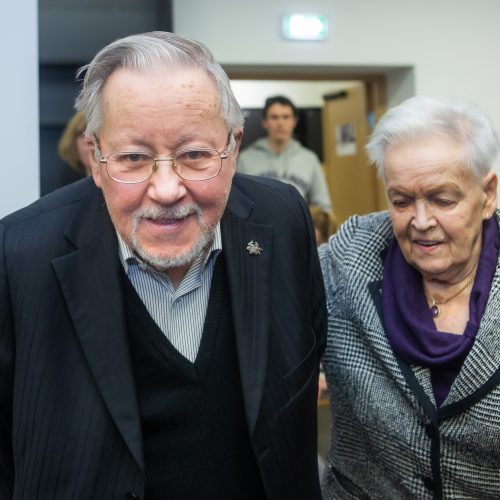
(305, 27)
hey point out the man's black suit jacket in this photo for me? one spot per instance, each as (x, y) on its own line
(70, 427)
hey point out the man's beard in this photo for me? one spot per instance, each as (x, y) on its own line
(162, 262)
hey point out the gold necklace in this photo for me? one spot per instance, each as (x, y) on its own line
(435, 303)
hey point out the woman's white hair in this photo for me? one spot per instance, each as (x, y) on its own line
(145, 52)
(423, 116)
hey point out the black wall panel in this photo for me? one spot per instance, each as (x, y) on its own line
(70, 34)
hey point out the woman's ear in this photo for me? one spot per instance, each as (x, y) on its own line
(490, 185)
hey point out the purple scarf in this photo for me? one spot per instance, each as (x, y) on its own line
(408, 320)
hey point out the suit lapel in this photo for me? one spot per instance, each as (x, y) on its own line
(90, 282)
(249, 276)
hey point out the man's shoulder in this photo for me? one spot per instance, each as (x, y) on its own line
(51, 207)
(264, 188)
(297, 148)
(266, 199)
(259, 147)
(269, 202)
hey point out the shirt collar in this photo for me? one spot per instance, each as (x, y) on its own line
(127, 256)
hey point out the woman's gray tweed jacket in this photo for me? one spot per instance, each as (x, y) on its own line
(388, 439)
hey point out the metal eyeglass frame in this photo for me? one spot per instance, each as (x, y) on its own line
(222, 154)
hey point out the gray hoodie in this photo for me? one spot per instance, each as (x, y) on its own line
(296, 165)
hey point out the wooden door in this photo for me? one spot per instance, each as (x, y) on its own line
(353, 184)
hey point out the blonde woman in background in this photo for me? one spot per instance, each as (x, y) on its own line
(73, 148)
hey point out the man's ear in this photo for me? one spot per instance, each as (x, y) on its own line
(96, 166)
(238, 136)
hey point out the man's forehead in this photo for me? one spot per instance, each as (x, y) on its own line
(280, 109)
(163, 74)
(189, 87)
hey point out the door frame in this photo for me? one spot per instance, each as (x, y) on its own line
(374, 80)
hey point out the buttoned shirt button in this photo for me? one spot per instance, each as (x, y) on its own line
(131, 495)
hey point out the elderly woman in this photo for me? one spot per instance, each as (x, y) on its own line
(413, 356)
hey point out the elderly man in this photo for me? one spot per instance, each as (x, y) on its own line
(161, 323)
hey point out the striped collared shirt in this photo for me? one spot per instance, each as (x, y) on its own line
(179, 313)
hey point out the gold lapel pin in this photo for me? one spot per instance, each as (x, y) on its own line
(253, 248)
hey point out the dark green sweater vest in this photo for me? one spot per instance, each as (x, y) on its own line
(195, 436)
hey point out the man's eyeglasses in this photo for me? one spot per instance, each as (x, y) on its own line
(131, 167)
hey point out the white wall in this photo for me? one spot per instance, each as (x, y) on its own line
(303, 93)
(452, 45)
(19, 167)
